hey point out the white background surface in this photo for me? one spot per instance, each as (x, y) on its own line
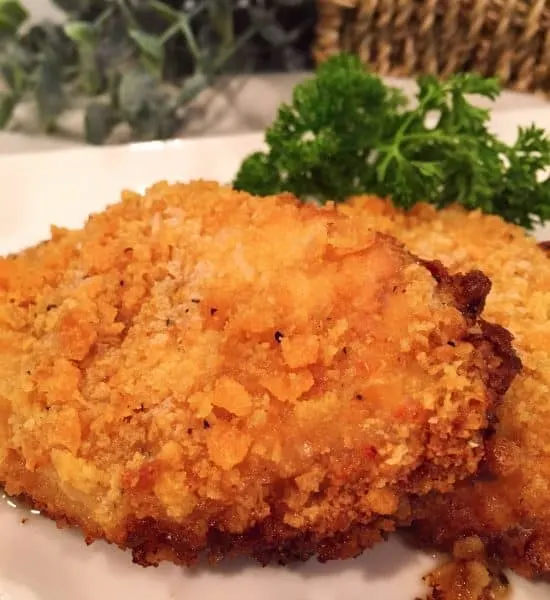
(39, 562)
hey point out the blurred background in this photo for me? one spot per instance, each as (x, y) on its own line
(112, 71)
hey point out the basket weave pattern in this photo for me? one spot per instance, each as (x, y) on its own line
(507, 38)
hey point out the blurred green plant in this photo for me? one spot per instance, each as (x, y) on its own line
(140, 62)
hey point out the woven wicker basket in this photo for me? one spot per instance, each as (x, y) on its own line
(507, 38)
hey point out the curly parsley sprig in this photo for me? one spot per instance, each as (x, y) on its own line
(346, 133)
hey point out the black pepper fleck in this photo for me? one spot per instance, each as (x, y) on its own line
(205, 424)
(345, 350)
(51, 307)
(359, 396)
(278, 336)
(121, 283)
(451, 343)
(213, 311)
(169, 322)
(195, 300)
(190, 430)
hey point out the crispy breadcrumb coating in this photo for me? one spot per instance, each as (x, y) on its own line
(509, 507)
(471, 575)
(201, 370)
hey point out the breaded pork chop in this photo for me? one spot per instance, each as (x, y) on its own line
(510, 507)
(201, 370)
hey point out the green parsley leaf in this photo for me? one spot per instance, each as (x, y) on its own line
(346, 132)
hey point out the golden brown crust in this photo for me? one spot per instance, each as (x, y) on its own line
(201, 370)
(268, 542)
(273, 542)
(470, 292)
(517, 547)
(507, 507)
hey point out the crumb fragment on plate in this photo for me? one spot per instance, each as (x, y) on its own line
(469, 575)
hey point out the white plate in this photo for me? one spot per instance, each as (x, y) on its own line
(37, 561)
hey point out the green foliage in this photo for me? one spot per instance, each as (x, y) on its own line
(347, 133)
(12, 15)
(138, 62)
